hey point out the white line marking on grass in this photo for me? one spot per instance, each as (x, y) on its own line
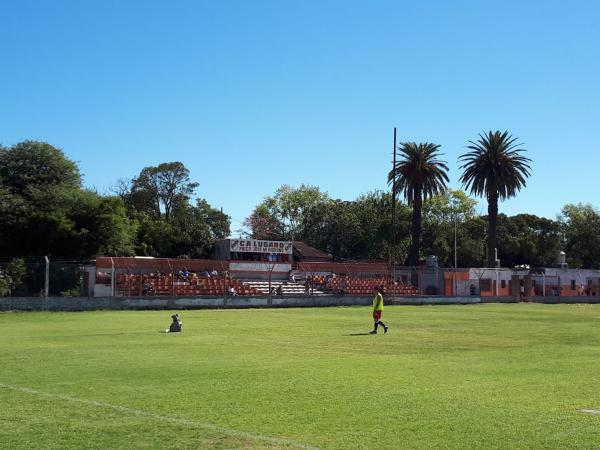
(175, 420)
(589, 411)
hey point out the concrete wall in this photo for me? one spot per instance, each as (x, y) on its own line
(117, 303)
(99, 303)
(565, 300)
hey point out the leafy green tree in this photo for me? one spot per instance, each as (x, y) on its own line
(167, 224)
(200, 226)
(12, 276)
(158, 189)
(283, 215)
(101, 226)
(44, 211)
(36, 179)
(191, 232)
(346, 229)
(154, 237)
(80, 225)
(332, 227)
(471, 242)
(494, 168)
(31, 166)
(374, 239)
(417, 176)
(528, 239)
(580, 224)
(262, 225)
(444, 216)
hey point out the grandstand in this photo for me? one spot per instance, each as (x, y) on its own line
(255, 268)
(251, 267)
(132, 285)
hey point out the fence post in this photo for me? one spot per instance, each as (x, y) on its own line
(47, 279)
(112, 277)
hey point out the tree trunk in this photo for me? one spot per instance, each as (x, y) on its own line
(492, 227)
(413, 253)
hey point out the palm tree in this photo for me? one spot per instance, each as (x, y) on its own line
(418, 175)
(495, 168)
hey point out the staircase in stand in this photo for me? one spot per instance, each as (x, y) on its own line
(288, 288)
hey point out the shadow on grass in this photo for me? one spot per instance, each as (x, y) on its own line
(358, 334)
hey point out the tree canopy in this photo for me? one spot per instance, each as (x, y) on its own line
(157, 190)
(417, 176)
(45, 211)
(495, 168)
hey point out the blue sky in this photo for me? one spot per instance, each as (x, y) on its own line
(252, 95)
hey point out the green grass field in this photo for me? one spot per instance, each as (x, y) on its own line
(483, 376)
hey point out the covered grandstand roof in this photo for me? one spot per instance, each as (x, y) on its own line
(163, 264)
(348, 267)
(304, 252)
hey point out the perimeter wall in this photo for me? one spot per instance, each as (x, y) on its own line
(170, 303)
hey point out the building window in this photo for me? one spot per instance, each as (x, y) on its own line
(485, 284)
(573, 285)
(502, 284)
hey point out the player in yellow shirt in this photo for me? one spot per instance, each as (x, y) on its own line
(378, 310)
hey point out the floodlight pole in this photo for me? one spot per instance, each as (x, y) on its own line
(393, 230)
(393, 201)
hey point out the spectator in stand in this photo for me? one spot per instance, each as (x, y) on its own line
(292, 276)
(231, 291)
(186, 274)
(279, 290)
(214, 273)
(328, 281)
(343, 286)
(206, 274)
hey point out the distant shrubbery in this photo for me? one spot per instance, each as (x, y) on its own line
(12, 276)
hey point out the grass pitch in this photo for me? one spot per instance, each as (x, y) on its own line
(482, 376)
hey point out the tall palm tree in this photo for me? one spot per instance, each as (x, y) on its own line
(496, 168)
(418, 175)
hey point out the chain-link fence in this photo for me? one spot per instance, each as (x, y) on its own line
(40, 277)
(156, 277)
(357, 278)
(140, 277)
